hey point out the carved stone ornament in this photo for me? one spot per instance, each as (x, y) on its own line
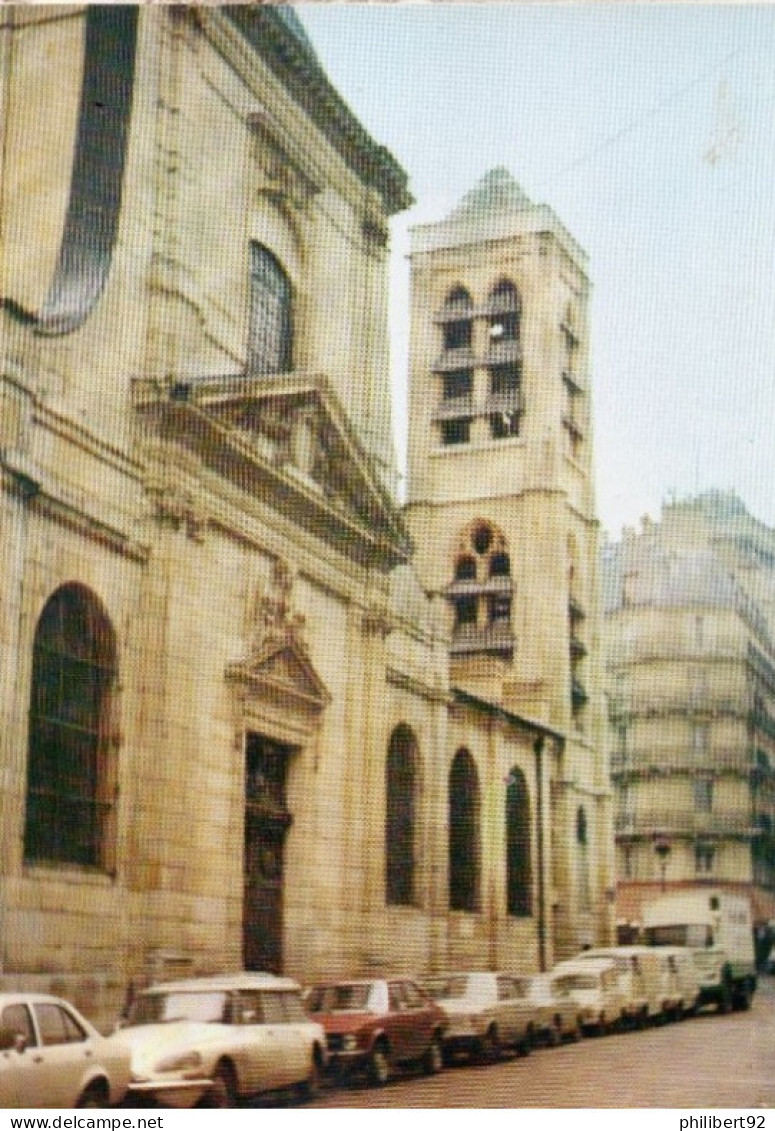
(278, 176)
(178, 507)
(275, 624)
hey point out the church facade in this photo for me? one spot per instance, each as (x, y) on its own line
(249, 716)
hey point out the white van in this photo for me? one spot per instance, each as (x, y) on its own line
(596, 986)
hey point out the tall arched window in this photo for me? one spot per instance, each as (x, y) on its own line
(519, 873)
(457, 316)
(464, 835)
(270, 324)
(504, 311)
(400, 816)
(70, 778)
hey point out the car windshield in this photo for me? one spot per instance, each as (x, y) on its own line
(445, 988)
(344, 998)
(151, 1008)
(578, 982)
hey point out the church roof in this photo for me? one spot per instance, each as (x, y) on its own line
(496, 193)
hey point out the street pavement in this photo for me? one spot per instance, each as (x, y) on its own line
(708, 1061)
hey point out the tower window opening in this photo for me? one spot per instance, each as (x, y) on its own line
(500, 565)
(465, 569)
(482, 539)
(455, 431)
(465, 610)
(459, 383)
(504, 425)
(457, 335)
(500, 608)
(504, 379)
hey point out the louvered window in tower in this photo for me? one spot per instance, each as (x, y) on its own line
(270, 328)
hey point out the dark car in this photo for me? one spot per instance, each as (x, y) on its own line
(376, 1024)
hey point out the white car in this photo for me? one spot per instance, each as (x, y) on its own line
(595, 985)
(487, 1011)
(50, 1056)
(557, 1016)
(213, 1041)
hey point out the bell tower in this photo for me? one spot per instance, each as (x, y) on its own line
(500, 498)
(501, 501)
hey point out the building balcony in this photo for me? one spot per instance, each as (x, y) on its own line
(646, 824)
(468, 639)
(643, 706)
(471, 587)
(648, 763)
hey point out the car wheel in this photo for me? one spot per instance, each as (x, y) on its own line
(433, 1061)
(379, 1065)
(96, 1095)
(488, 1049)
(309, 1088)
(223, 1090)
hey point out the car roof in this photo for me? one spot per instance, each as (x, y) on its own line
(583, 966)
(12, 997)
(248, 981)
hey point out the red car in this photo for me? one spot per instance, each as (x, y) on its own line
(375, 1024)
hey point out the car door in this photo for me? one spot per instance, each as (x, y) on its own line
(398, 1023)
(64, 1056)
(420, 1019)
(299, 1035)
(18, 1065)
(257, 1047)
(510, 1010)
(281, 1040)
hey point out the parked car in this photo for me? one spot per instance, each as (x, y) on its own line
(656, 994)
(556, 1013)
(596, 987)
(50, 1056)
(376, 1024)
(487, 1011)
(212, 1041)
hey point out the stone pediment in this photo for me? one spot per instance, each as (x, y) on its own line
(286, 439)
(282, 669)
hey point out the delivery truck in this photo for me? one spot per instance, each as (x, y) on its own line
(716, 926)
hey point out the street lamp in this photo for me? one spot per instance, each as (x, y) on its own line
(662, 849)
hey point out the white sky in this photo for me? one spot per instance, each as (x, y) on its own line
(650, 130)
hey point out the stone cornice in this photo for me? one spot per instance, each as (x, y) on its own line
(300, 72)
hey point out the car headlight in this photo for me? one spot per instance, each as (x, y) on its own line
(182, 1062)
(350, 1042)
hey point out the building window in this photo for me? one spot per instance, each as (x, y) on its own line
(481, 593)
(400, 816)
(504, 312)
(70, 783)
(519, 894)
(456, 431)
(704, 856)
(464, 834)
(270, 325)
(703, 795)
(458, 383)
(457, 320)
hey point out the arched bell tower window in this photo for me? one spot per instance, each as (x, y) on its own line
(464, 834)
(481, 593)
(454, 367)
(70, 770)
(519, 893)
(270, 324)
(457, 319)
(504, 356)
(400, 817)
